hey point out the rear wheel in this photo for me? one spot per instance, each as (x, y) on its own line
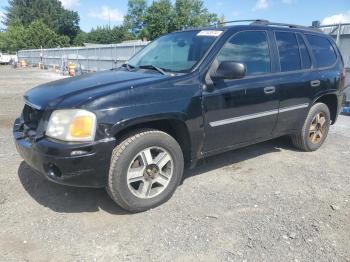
(146, 167)
(315, 129)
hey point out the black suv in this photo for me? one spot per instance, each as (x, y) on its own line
(185, 96)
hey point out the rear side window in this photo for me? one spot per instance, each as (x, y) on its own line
(304, 53)
(288, 50)
(323, 50)
(250, 48)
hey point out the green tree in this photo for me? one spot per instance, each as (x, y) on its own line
(68, 24)
(34, 36)
(135, 18)
(192, 13)
(159, 19)
(56, 17)
(13, 38)
(100, 35)
(80, 39)
(107, 35)
(120, 34)
(40, 35)
(163, 17)
(221, 19)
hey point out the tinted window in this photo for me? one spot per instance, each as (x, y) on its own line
(177, 52)
(288, 50)
(323, 50)
(250, 48)
(304, 53)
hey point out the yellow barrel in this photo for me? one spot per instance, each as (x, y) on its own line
(72, 69)
(23, 63)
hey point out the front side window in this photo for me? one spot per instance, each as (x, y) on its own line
(323, 50)
(288, 51)
(177, 52)
(250, 48)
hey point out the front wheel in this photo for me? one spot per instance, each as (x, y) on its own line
(315, 129)
(146, 167)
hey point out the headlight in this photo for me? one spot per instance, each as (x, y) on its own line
(72, 125)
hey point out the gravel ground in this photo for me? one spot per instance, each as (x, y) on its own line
(266, 202)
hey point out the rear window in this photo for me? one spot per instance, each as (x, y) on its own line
(288, 50)
(323, 50)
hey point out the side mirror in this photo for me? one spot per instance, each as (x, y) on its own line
(229, 70)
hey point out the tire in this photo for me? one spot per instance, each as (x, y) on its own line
(307, 139)
(146, 193)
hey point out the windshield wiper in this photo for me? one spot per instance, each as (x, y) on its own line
(128, 66)
(152, 67)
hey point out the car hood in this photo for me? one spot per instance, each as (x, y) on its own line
(86, 87)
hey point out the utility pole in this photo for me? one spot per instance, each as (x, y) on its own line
(109, 19)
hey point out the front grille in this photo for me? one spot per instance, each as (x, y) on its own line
(31, 118)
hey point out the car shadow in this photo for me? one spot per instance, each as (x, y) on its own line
(235, 156)
(65, 199)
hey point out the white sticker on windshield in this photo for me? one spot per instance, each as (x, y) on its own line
(214, 33)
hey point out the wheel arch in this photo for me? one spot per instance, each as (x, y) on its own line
(173, 125)
(331, 100)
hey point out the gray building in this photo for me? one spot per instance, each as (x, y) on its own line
(341, 34)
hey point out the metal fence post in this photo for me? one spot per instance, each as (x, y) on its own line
(99, 59)
(77, 58)
(338, 34)
(116, 55)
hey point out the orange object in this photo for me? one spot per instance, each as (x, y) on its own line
(81, 127)
(23, 63)
(72, 69)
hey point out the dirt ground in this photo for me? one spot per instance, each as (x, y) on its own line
(267, 202)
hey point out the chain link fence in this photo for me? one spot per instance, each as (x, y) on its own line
(94, 58)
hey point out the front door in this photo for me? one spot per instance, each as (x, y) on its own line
(242, 110)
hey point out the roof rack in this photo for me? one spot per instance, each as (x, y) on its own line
(268, 23)
(240, 21)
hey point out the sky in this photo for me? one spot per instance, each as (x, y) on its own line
(97, 13)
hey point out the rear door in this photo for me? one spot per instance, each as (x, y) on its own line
(326, 60)
(297, 77)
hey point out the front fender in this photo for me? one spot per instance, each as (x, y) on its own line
(143, 119)
(187, 111)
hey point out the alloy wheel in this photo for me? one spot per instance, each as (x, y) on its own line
(150, 172)
(318, 128)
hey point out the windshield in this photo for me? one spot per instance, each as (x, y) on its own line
(177, 52)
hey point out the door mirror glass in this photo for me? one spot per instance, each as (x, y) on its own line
(229, 70)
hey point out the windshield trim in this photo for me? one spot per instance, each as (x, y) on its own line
(200, 61)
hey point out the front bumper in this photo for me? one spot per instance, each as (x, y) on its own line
(88, 166)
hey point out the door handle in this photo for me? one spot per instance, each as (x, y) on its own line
(315, 83)
(269, 90)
